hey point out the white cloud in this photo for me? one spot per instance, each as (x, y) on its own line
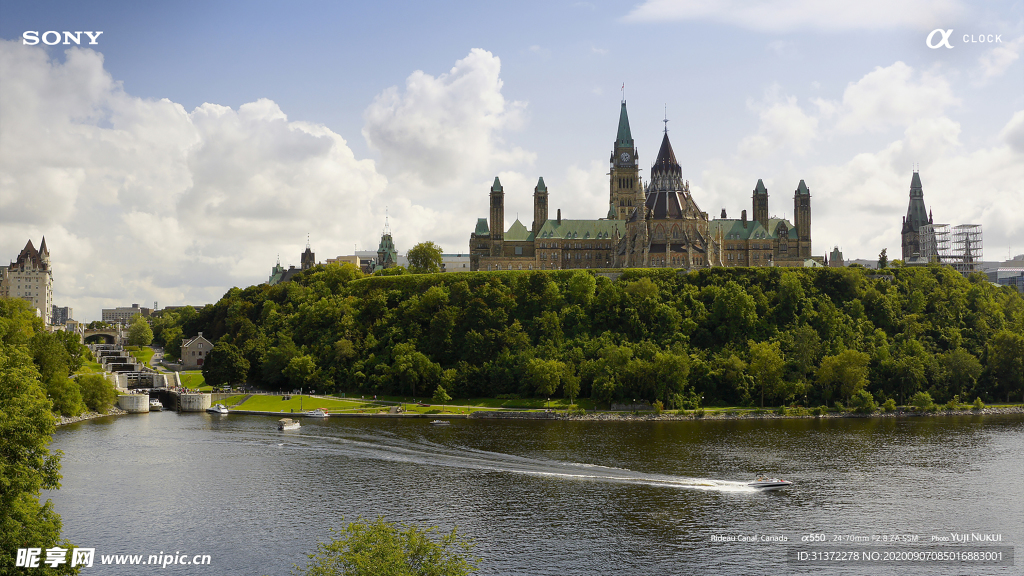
(784, 127)
(140, 200)
(815, 15)
(893, 96)
(996, 61)
(447, 128)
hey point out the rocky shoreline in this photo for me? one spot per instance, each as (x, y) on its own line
(63, 420)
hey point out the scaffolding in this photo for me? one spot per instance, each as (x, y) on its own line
(967, 247)
(934, 239)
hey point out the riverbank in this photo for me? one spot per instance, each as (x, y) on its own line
(772, 415)
(64, 420)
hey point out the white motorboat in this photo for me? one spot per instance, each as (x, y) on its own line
(155, 405)
(217, 409)
(441, 423)
(318, 413)
(288, 424)
(766, 483)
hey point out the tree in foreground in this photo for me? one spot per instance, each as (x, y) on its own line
(366, 548)
(424, 258)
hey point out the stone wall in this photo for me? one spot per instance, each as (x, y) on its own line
(194, 402)
(514, 415)
(133, 403)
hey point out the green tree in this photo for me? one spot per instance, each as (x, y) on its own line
(424, 258)
(139, 332)
(377, 548)
(544, 376)
(883, 259)
(845, 373)
(225, 365)
(766, 364)
(1006, 361)
(26, 428)
(98, 393)
(441, 397)
(960, 372)
(301, 371)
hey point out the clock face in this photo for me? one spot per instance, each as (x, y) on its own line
(624, 157)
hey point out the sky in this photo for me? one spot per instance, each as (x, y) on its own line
(196, 141)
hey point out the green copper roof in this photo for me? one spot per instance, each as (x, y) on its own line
(581, 229)
(496, 187)
(518, 233)
(917, 214)
(540, 185)
(733, 229)
(760, 189)
(481, 227)
(624, 139)
(802, 189)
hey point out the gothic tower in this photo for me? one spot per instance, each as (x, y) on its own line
(626, 192)
(308, 259)
(497, 217)
(540, 205)
(916, 217)
(761, 204)
(802, 219)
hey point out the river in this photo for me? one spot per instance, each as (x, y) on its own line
(549, 497)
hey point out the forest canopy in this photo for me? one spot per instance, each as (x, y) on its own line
(716, 336)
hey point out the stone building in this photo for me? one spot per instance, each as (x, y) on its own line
(917, 216)
(30, 278)
(278, 274)
(654, 225)
(124, 314)
(194, 352)
(668, 230)
(765, 240)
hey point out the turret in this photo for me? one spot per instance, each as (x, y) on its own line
(497, 217)
(540, 205)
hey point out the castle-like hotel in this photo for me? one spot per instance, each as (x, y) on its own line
(654, 225)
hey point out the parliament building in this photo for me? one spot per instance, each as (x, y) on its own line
(657, 224)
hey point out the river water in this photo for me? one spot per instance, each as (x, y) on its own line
(549, 497)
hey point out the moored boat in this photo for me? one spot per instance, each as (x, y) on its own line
(288, 424)
(440, 423)
(155, 405)
(318, 413)
(217, 409)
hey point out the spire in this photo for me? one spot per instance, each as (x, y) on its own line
(42, 247)
(802, 190)
(624, 139)
(496, 187)
(666, 161)
(917, 214)
(916, 190)
(307, 240)
(387, 225)
(666, 119)
(540, 185)
(760, 189)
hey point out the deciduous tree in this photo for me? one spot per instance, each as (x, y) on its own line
(424, 258)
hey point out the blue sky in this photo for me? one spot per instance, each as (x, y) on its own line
(207, 137)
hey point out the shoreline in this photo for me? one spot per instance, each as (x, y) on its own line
(65, 420)
(601, 416)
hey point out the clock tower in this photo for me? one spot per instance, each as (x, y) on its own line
(625, 191)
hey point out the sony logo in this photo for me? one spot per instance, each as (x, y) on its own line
(51, 37)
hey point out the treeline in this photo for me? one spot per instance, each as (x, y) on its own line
(55, 357)
(34, 383)
(718, 336)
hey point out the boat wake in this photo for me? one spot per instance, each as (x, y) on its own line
(424, 452)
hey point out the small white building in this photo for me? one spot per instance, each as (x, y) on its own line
(455, 263)
(194, 352)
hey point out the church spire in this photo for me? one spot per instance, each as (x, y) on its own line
(624, 139)
(666, 162)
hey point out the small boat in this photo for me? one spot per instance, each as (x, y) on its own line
(288, 424)
(155, 405)
(441, 423)
(217, 409)
(318, 413)
(766, 483)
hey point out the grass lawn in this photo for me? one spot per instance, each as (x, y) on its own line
(194, 380)
(141, 353)
(468, 405)
(90, 368)
(273, 403)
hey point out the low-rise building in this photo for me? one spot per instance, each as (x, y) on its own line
(194, 352)
(124, 314)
